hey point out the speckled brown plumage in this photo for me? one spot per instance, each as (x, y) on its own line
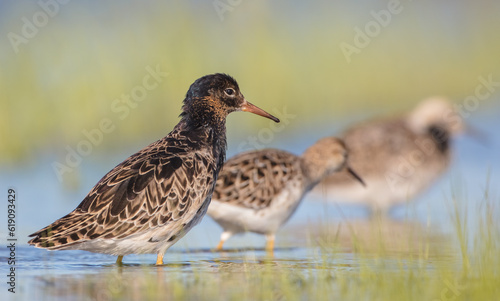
(251, 179)
(152, 188)
(153, 198)
(258, 191)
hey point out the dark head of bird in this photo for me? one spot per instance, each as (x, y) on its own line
(211, 98)
(208, 102)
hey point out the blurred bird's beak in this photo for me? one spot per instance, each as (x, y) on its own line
(355, 175)
(478, 135)
(248, 107)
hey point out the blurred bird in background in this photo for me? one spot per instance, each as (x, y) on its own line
(398, 157)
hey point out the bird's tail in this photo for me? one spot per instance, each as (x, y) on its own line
(61, 234)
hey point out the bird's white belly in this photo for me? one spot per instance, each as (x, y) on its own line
(380, 192)
(238, 219)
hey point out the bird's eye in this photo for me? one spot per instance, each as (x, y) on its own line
(229, 91)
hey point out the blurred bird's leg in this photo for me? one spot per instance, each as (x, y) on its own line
(159, 259)
(223, 237)
(219, 246)
(379, 213)
(119, 260)
(270, 243)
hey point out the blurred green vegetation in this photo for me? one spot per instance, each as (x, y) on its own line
(283, 54)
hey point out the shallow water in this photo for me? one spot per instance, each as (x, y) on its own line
(68, 275)
(318, 230)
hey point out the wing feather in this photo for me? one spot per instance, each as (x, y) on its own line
(152, 188)
(253, 179)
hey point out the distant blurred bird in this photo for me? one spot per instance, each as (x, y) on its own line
(398, 157)
(153, 198)
(258, 191)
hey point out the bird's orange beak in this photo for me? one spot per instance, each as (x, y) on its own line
(248, 107)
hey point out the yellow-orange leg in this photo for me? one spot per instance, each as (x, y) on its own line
(219, 246)
(119, 260)
(270, 243)
(223, 237)
(159, 259)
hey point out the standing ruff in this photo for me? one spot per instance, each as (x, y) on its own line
(154, 197)
(258, 191)
(398, 157)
